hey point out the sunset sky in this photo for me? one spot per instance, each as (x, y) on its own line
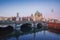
(9, 8)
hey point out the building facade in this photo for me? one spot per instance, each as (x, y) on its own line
(37, 16)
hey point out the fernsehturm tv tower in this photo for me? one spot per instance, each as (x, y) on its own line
(17, 17)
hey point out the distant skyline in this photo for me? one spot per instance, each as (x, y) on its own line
(10, 8)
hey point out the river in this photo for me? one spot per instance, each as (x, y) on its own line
(38, 34)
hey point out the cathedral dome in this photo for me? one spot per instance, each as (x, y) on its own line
(38, 13)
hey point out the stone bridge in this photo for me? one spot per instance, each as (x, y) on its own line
(17, 25)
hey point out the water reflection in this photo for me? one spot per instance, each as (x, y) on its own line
(35, 34)
(54, 31)
(16, 36)
(4, 37)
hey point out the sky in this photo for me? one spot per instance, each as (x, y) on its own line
(10, 8)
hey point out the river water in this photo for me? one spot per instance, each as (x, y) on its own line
(38, 34)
